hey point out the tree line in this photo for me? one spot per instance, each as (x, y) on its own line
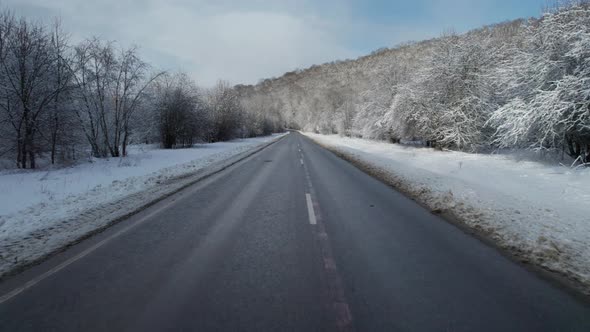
(61, 101)
(523, 84)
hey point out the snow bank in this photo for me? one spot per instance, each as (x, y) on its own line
(538, 212)
(42, 211)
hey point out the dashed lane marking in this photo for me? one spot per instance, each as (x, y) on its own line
(310, 212)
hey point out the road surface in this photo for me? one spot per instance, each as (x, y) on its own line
(291, 239)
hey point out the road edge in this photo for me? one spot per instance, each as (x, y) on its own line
(560, 279)
(190, 180)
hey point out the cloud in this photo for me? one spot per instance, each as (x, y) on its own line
(211, 40)
(239, 46)
(244, 41)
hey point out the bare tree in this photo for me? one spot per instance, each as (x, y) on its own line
(179, 111)
(226, 112)
(27, 65)
(60, 124)
(110, 89)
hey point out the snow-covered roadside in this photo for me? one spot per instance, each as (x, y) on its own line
(44, 211)
(539, 213)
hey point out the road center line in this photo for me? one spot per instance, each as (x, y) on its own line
(310, 212)
(334, 287)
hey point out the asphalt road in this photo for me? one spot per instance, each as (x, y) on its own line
(291, 239)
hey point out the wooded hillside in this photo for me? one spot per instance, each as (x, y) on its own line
(519, 85)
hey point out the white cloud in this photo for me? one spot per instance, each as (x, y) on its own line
(239, 46)
(243, 41)
(211, 40)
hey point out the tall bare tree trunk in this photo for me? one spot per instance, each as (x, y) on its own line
(54, 138)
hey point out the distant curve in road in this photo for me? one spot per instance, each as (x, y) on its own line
(291, 239)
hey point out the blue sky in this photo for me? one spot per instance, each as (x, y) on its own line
(244, 41)
(429, 18)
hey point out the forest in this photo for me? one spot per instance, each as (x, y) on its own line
(61, 102)
(518, 85)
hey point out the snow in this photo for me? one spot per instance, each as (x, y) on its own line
(539, 212)
(42, 211)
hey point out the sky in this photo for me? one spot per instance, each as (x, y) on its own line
(245, 41)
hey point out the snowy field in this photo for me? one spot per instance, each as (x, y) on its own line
(41, 211)
(539, 212)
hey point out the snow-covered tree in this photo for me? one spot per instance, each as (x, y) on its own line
(226, 112)
(28, 62)
(548, 86)
(110, 87)
(179, 111)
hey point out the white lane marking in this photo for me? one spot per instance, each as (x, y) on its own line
(301, 160)
(310, 211)
(79, 256)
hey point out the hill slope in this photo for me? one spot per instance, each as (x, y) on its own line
(519, 84)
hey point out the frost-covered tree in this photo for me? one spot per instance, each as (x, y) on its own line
(548, 86)
(28, 62)
(518, 84)
(110, 87)
(262, 115)
(60, 123)
(226, 112)
(179, 111)
(59, 102)
(447, 103)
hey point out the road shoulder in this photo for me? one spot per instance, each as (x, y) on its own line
(472, 221)
(20, 253)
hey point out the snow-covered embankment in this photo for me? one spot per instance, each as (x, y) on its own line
(43, 211)
(539, 213)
